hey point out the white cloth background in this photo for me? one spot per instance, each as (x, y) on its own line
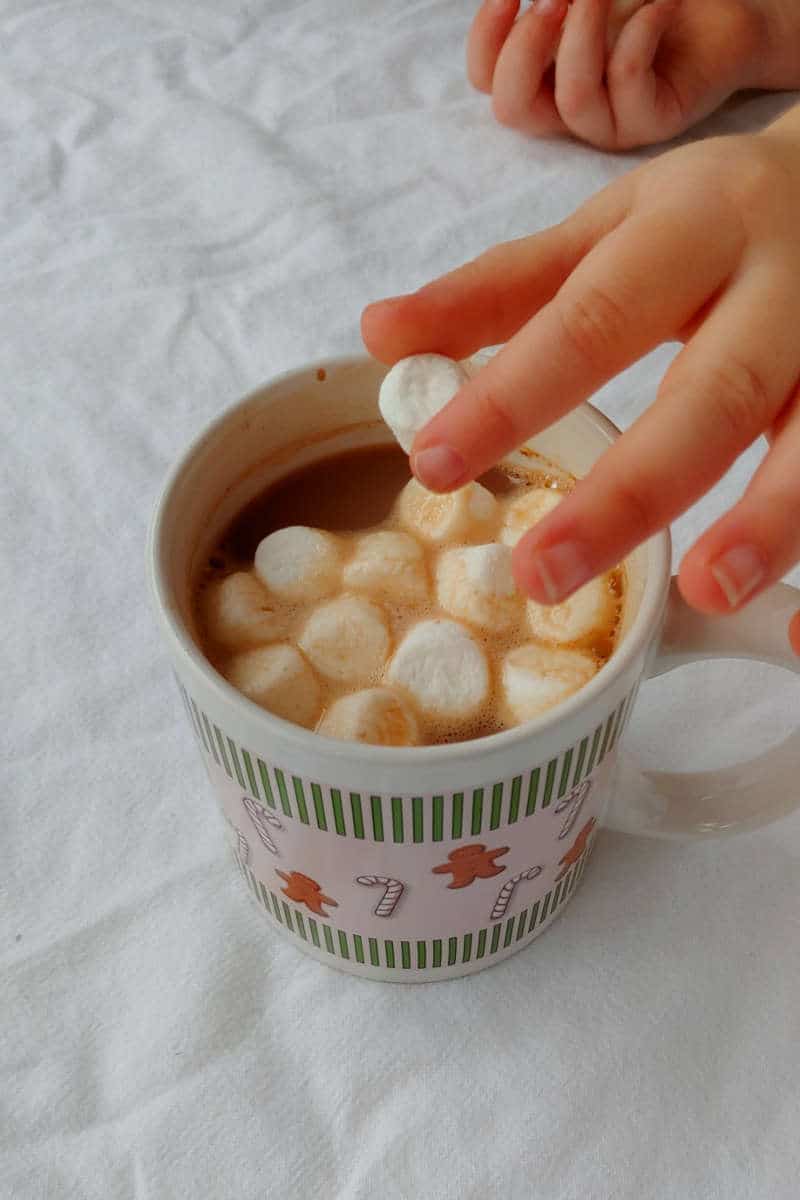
(195, 196)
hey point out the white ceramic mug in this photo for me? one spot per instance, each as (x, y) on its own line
(433, 862)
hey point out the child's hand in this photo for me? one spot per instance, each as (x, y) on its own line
(701, 245)
(673, 62)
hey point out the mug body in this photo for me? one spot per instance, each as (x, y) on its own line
(402, 864)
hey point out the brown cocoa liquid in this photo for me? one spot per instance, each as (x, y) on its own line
(351, 493)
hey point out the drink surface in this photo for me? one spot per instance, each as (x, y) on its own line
(302, 650)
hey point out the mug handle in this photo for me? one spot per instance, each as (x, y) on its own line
(732, 800)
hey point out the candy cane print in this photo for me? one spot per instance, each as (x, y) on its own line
(242, 844)
(242, 847)
(391, 896)
(507, 891)
(261, 820)
(575, 800)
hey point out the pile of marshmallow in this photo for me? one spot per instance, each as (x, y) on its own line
(316, 613)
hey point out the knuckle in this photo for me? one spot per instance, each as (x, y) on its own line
(755, 180)
(740, 396)
(745, 29)
(631, 136)
(575, 97)
(593, 324)
(509, 108)
(638, 505)
(624, 69)
(757, 188)
(610, 140)
(495, 414)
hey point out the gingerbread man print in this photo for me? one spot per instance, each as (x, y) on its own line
(305, 890)
(469, 863)
(577, 849)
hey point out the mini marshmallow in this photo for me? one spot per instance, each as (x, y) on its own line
(239, 612)
(525, 511)
(475, 583)
(537, 677)
(466, 515)
(414, 390)
(388, 564)
(346, 640)
(589, 610)
(375, 715)
(280, 680)
(299, 564)
(443, 670)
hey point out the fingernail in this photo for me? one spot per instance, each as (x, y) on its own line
(562, 568)
(549, 8)
(439, 468)
(738, 572)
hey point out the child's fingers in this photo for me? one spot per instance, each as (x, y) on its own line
(581, 97)
(486, 301)
(521, 98)
(489, 30)
(605, 316)
(758, 541)
(724, 389)
(646, 107)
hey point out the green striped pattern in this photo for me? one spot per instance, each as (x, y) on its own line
(408, 819)
(403, 955)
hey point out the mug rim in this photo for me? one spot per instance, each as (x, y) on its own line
(648, 617)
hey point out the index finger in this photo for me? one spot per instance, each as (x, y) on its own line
(487, 300)
(637, 288)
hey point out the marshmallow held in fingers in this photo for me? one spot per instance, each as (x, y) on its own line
(347, 640)
(466, 515)
(442, 669)
(388, 564)
(475, 583)
(534, 678)
(414, 391)
(376, 716)
(588, 611)
(280, 680)
(239, 612)
(299, 564)
(525, 511)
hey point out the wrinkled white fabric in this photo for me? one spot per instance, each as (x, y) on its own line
(196, 196)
